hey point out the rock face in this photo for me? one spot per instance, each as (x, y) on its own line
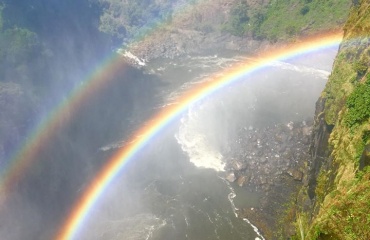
(335, 178)
(365, 158)
(319, 146)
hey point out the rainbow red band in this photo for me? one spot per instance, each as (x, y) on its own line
(140, 138)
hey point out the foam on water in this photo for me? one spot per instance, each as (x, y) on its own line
(195, 142)
(301, 69)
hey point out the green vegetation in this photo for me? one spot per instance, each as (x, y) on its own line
(126, 19)
(284, 19)
(19, 48)
(239, 19)
(360, 67)
(40, 54)
(358, 104)
(289, 18)
(17, 45)
(341, 210)
(346, 215)
(304, 10)
(276, 20)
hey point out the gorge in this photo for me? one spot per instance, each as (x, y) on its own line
(251, 149)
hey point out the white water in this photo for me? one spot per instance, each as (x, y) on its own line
(196, 131)
(129, 55)
(195, 141)
(207, 125)
(203, 133)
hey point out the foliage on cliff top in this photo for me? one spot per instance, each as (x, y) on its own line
(358, 27)
(124, 19)
(289, 18)
(358, 104)
(284, 19)
(273, 20)
(346, 215)
(351, 64)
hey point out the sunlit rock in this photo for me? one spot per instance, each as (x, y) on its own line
(295, 174)
(238, 165)
(242, 180)
(231, 177)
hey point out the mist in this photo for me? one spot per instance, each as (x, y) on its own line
(175, 188)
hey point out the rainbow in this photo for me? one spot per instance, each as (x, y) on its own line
(26, 153)
(151, 128)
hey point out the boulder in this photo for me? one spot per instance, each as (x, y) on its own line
(295, 174)
(242, 180)
(230, 177)
(238, 165)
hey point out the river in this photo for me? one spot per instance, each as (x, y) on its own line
(176, 188)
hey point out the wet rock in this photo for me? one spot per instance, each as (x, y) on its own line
(242, 180)
(295, 174)
(263, 160)
(231, 177)
(263, 179)
(238, 165)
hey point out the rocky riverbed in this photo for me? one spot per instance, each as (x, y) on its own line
(270, 160)
(173, 43)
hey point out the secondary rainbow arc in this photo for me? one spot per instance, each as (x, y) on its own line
(24, 156)
(152, 127)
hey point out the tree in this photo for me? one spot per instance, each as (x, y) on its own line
(304, 10)
(239, 19)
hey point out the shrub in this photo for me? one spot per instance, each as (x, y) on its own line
(305, 10)
(239, 19)
(358, 104)
(360, 67)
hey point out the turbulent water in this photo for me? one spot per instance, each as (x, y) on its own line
(175, 188)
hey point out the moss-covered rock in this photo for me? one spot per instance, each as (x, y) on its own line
(340, 208)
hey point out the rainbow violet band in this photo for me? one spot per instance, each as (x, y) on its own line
(26, 154)
(140, 138)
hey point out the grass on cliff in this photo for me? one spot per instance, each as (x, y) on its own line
(342, 209)
(346, 215)
(286, 19)
(289, 18)
(358, 105)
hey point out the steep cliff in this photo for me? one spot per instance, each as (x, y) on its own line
(335, 202)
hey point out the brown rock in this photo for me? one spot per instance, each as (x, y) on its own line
(295, 174)
(231, 177)
(242, 180)
(238, 165)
